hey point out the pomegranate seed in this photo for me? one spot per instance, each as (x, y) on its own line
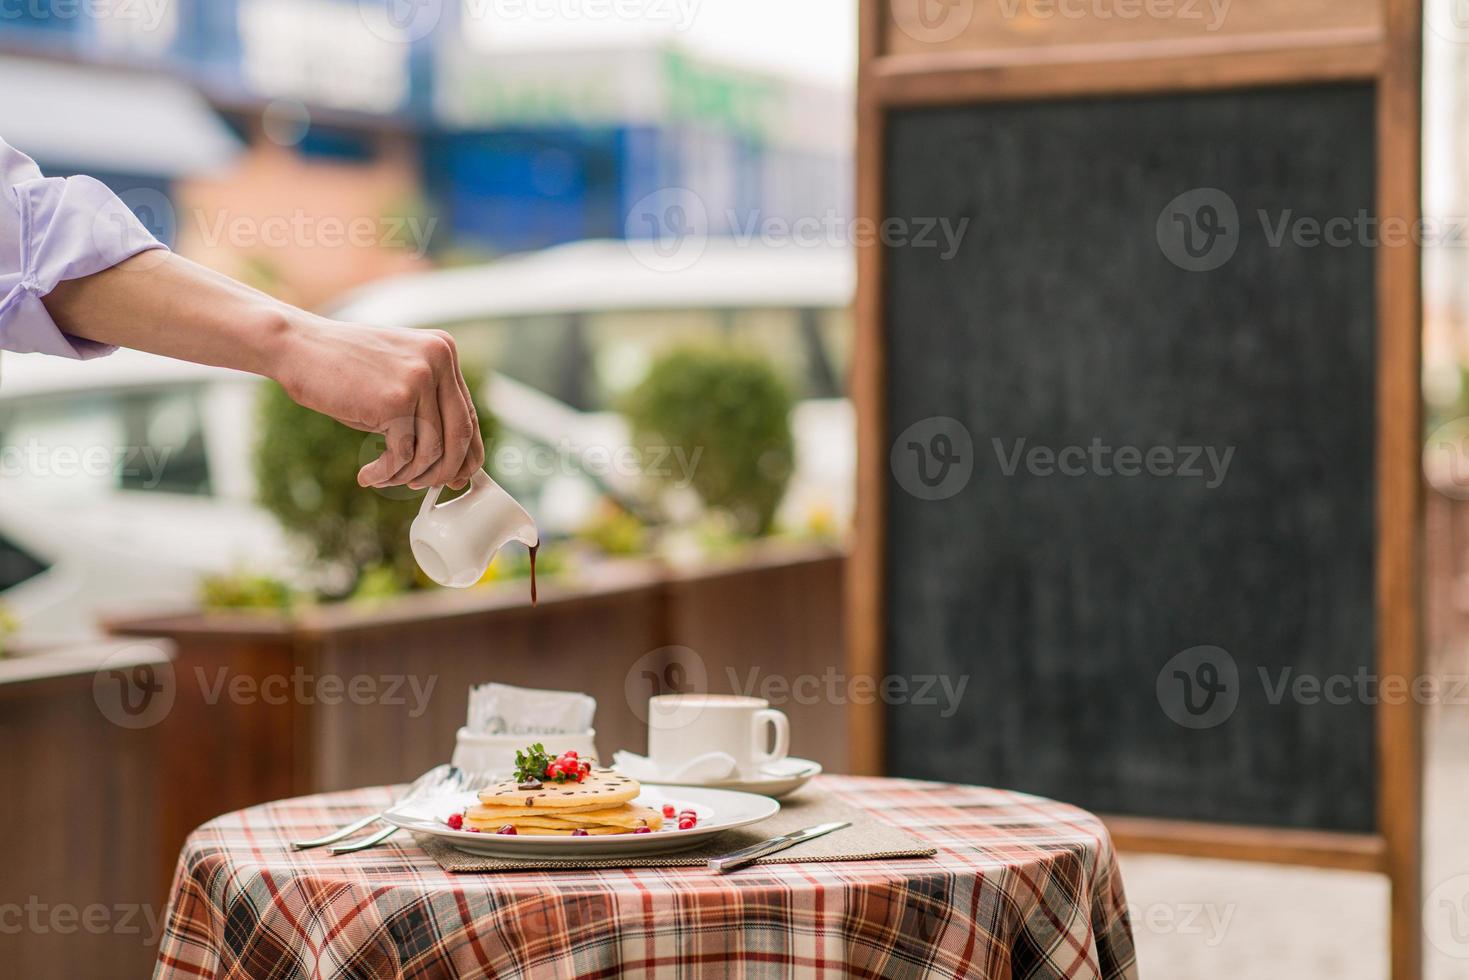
(455, 821)
(578, 832)
(509, 828)
(686, 824)
(668, 810)
(643, 830)
(690, 814)
(475, 830)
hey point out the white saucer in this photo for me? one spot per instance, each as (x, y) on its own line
(776, 778)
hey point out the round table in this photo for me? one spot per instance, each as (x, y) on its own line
(1020, 887)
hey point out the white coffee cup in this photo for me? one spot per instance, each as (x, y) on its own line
(455, 542)
(682, 727)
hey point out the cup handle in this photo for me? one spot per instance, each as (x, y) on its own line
(431, 499)
(781, 725)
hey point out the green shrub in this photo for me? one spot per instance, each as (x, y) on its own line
(614, 531)
(9, 625)
(246, 590)
(306, 475)
(729, 413)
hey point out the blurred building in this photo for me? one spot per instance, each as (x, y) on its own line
(277, 139)
(536, 148)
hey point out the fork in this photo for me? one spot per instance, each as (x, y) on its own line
(433, 779)
(459, 781)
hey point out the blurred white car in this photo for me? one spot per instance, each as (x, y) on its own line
(123, 480)
(569, 329)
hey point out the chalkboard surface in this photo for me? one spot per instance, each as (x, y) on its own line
(1146, 628)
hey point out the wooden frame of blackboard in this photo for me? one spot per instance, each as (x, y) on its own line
(1387, 53)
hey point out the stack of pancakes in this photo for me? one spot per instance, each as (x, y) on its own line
(599, 804)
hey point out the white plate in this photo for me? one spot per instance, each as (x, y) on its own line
(776, 778)
(718, 810)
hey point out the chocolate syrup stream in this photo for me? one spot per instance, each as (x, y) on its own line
(533, 549)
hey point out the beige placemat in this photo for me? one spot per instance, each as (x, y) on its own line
(866, 839)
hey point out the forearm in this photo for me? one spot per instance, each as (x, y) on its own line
(163, 303)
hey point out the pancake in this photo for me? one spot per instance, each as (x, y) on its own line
(489, 812)
(627, 815)
(601, 786)
(624, 817)
(547, 832)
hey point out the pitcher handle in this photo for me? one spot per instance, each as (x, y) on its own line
(431, 499)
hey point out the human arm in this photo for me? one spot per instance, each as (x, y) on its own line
(404, 384)
(79, 275)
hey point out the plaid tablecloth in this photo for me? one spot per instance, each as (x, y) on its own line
(1021, 887)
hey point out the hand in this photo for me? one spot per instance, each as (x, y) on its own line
(404, 384)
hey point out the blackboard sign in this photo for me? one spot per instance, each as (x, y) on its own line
(1132, 419)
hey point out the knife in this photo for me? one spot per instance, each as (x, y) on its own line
(742, 857)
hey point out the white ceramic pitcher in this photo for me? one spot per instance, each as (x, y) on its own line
(455, 542)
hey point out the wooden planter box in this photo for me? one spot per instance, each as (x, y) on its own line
(340, 696)
(82, 878)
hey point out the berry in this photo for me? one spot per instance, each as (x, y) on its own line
(578, 832)
(643, 830)
(685, 823)
(509, 828)
(455, 821)
(668, 810)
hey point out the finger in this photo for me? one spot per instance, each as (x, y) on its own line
(458, 421)
(427, 379)
(474, 456)
(428, 444)
(400, 438)
(474, 459)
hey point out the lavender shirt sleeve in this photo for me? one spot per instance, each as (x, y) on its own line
(53, 229)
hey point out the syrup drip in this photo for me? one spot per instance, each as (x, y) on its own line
(533, 549)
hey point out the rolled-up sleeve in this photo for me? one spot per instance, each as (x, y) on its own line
(53, 229)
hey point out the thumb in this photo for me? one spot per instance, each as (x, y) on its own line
(377, 471)
(397, 454)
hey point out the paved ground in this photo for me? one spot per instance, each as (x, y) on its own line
(1202, 920)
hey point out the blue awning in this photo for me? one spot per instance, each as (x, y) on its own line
(86, 117)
